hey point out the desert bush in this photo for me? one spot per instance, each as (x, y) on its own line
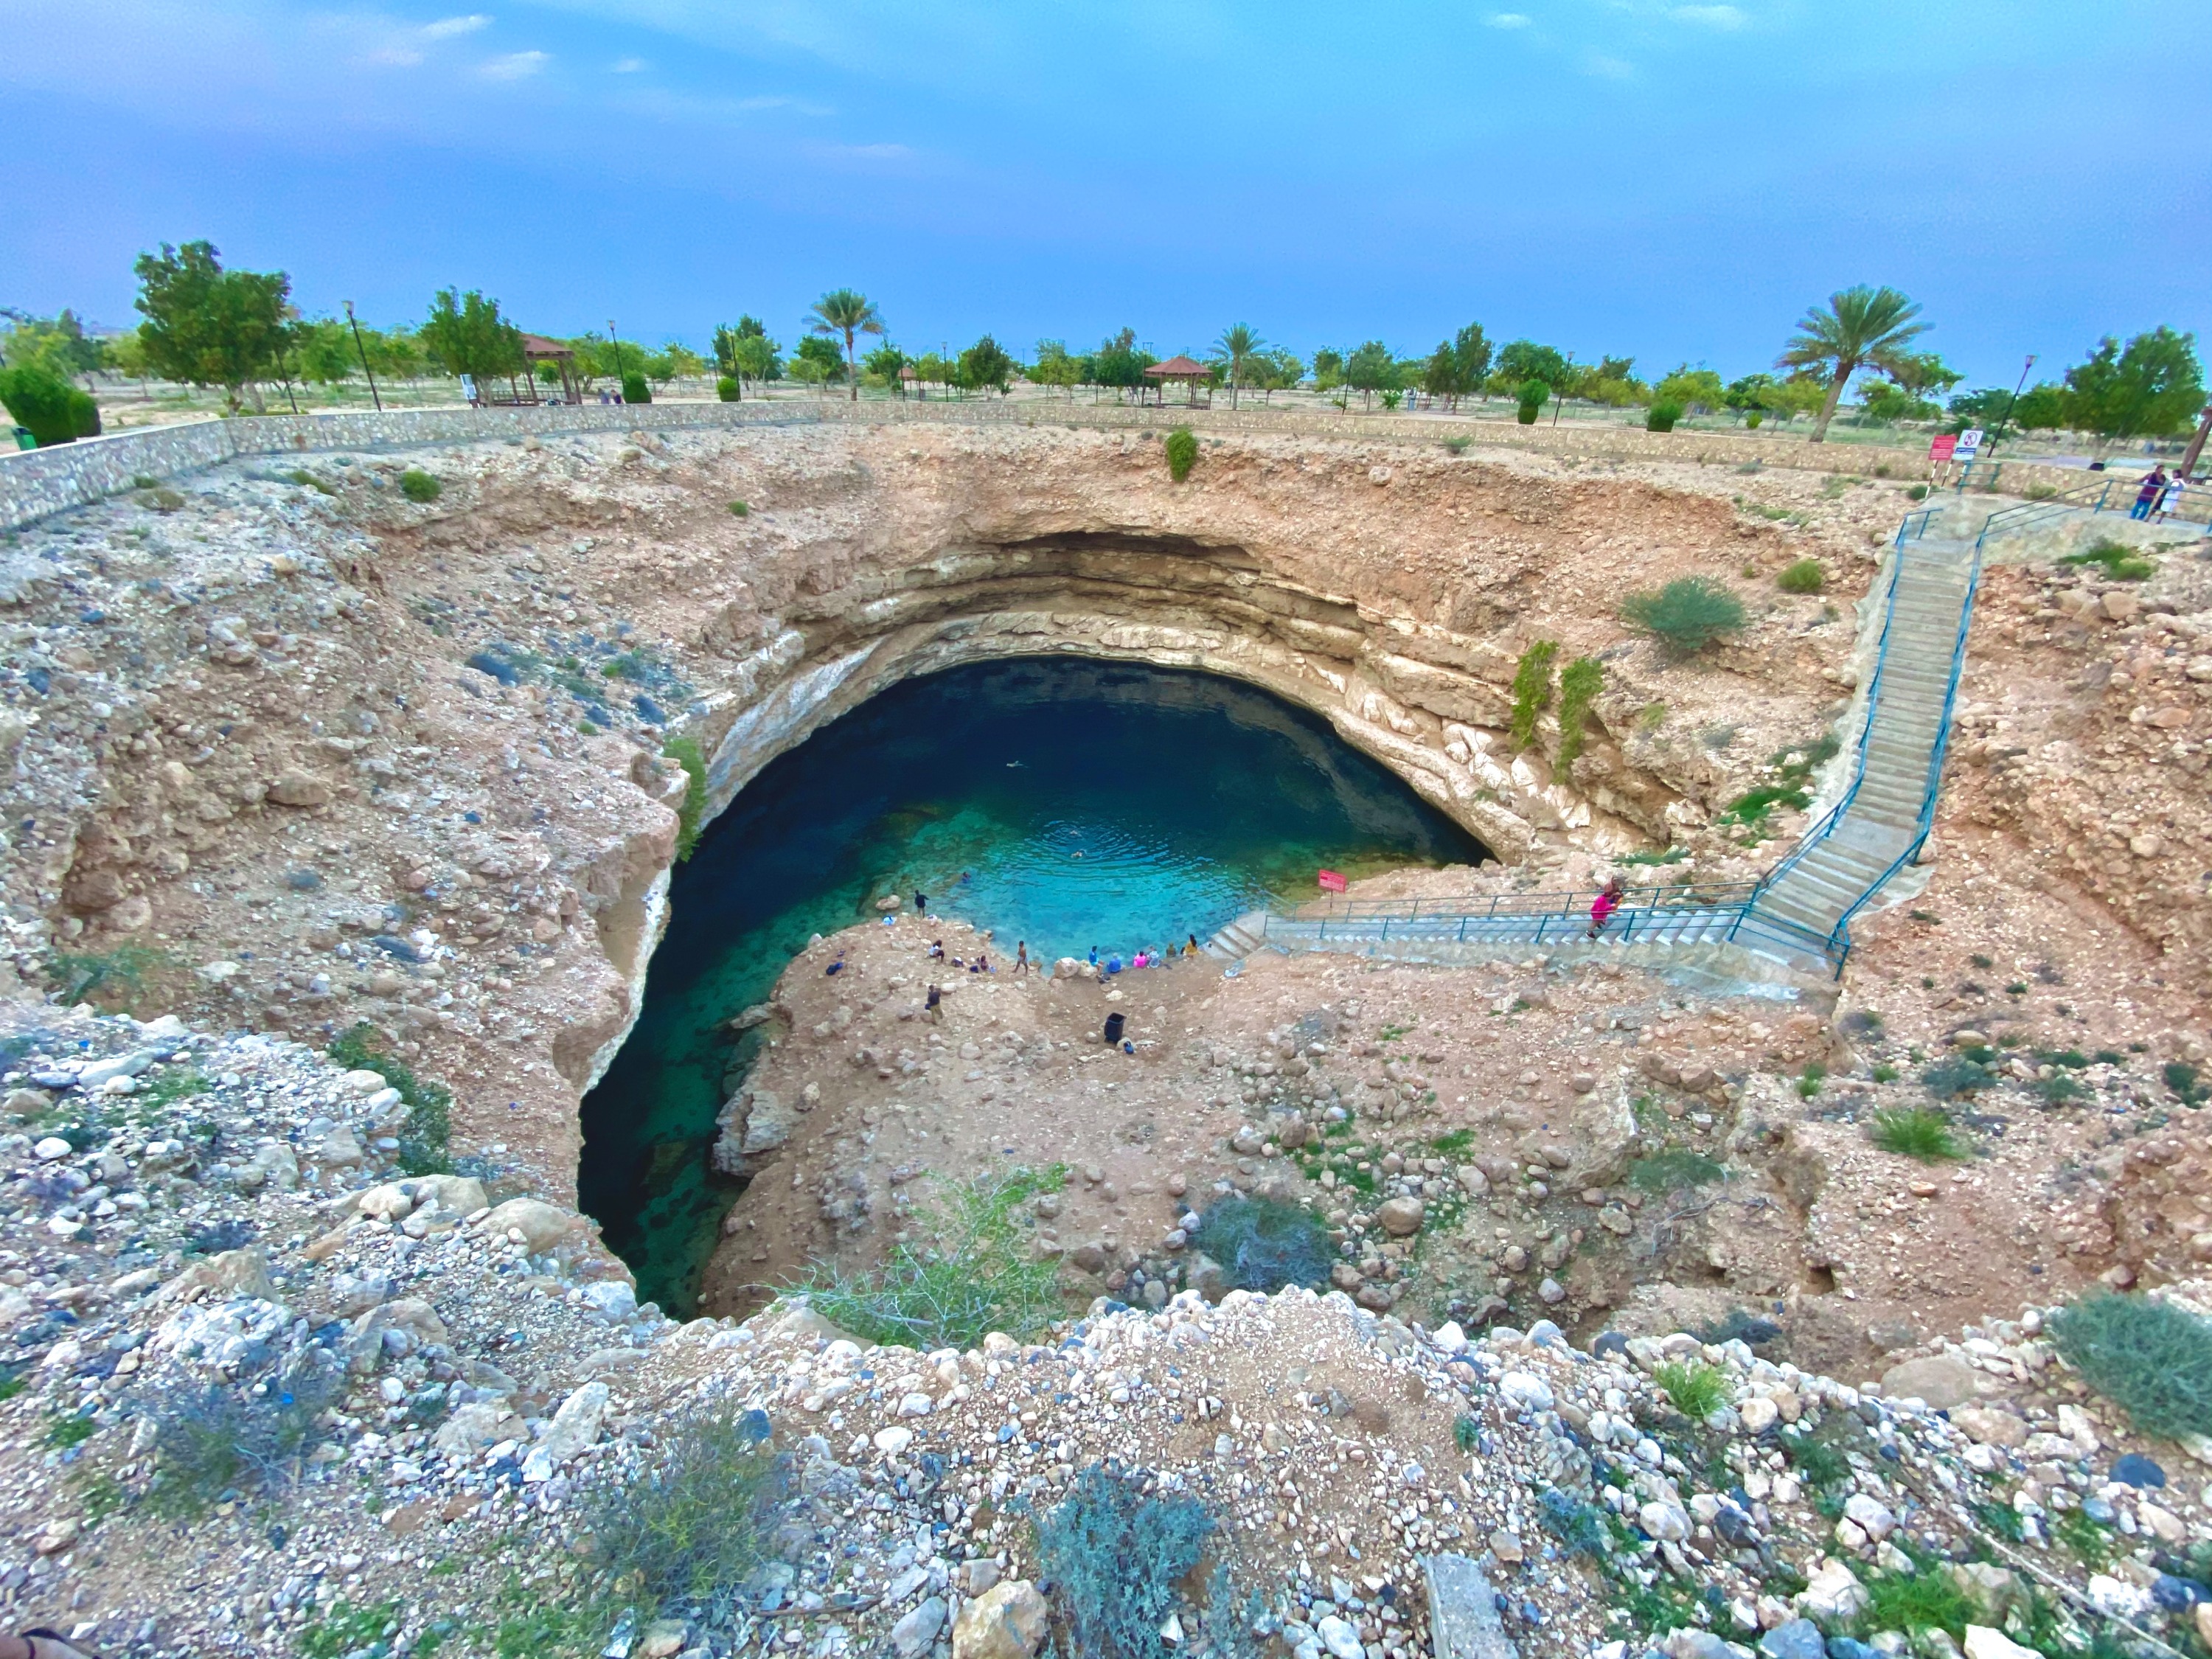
(1580, 681)
(1696, 1390)
(418, 485)
(2153, 1359)
(1181, 452)
(1466, 1433)
(51, 410)
(1532, 691)
(2186, 1082)
(1686, 615)
(636, 388)
(690, 1527)
(1819, 1464)
(1660, 417)
(739, 509)
(1458, 446)
(1531, 399)
(1674, 1170)
(1916, 1131)
(1264, 1244)
(426, 1136)
(1948, 1079)
(726, 389)
(1116, 1556)
(113, 979)
(971, 1276)
(1804, 576)
(684, 752)
(1915, 492)
(1916, 1601)
(1754, 419)
(2120, 562)
(224, 1437)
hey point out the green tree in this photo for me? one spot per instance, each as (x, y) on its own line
(466, 333)
(1119, 362)
(1860, 327)
(1922, 374)
(1440, 374)
(2151, 388)
(1522, 361)
(208, 326)
(883, 364)
(933, 370)
(844, 310)
(1327, 370)
(683, 363)
(1238, 345)
(1699, 388)
(1749, 395)
(58, 342)
(1278, 370)
(1371, 369)
(817, 362)
(1055, 367)
(323, 351)
(1470, 359)
(986, 365)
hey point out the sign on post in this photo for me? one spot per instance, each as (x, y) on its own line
(1970, 443)
(1331, 882)
(1942, 448)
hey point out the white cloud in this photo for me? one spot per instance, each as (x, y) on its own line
(1711, 17)
(515, 65)
(445, 28)
(1508, 20)
(626, 65)
(1608, 69)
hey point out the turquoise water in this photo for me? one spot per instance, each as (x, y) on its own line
(1061, 802)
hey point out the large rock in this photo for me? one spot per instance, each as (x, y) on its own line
(912, 1635)
(1833, 1594)
(472, 1427)
(295, 787)
(1401, 1217)
(576, 1424)
(1942, 1382)
(1463, 1622)
(1006, 1621)
(231, 1273)
(542, 1226)
(1991, 1428)
(1983, 1643)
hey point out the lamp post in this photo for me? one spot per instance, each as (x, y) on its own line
(1997, 437)
(615, 340)
(354, 324)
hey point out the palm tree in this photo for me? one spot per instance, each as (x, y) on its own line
(1238, 346)
(1861, 327)
(846, 311)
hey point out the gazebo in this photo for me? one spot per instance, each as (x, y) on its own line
(1179, 367)
(909, 380)
(536, 349)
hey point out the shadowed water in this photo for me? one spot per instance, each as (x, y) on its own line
(1061, 802)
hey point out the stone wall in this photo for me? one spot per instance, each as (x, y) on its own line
(37, 482)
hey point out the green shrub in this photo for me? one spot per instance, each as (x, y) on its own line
(1532, 691)
(1819, 1464)
(2185, 1080)
(2120, 562)
(1686, 615)
(426, 1136)
(696, 1523)
(1264, 1244)
(63, 1432)
(1580, 681)
(635, 389)
(726, 389)
(2153, 1359)
(1916, 1132)
(1181, 452)
(346, 1629)
(1531, 398)
(1116, 1557)
(1466, 1433)
(1674, 1170)
(1458, 446)
(1915, 493)
(1948, 1079)
(739, 509)
(1804, 576)
(1660, 417)
(1695, 1389)
(684, 752)
(225, 1437)
(418, 485)
(972, 1275)
(1884, 1072)
(1916, 1601)
(113, 979)
(1753, 420)
(48, 407)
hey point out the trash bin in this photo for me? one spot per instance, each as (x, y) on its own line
(1114, 1023)
(23, 438)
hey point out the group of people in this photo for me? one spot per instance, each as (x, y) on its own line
(1145, 957)
(2159, 495)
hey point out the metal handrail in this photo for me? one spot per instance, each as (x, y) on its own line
(1482, 906)
(2006, 519)
(1914, 526)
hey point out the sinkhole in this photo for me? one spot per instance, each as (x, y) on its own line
(1058, 800)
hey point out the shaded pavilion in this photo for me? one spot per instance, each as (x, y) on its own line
(1193, 375)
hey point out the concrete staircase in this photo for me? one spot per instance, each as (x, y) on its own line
(1793, 922)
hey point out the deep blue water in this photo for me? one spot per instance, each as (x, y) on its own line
(1061, 802)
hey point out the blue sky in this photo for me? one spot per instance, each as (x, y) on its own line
(1672, 181)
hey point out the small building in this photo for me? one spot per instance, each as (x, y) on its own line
(1192, 374)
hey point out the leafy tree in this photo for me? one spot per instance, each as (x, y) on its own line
(1471, 359)
(1440, 373)
(58, 343)
(1238, 345)
(756, 359)
(207, 327)
(1054, 366)
(2152, 388)
(2040, 407)
(986, 365)
(1923, 375)
(1277, 370)
(1861, 327)
(1749, 395)
(683, 363)
(1371, 369)
(1522, 361)
(466, 333)
(1692, 388)
(1328, 369)
(1800, 394)
(1885, 401)
(933, 370)
(883, 364)
(843, 311)
(1119, 363)
(323, 351)
(817, 362)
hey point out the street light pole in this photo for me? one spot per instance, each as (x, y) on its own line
(354, 324)
(2012, 401)
(615, 340)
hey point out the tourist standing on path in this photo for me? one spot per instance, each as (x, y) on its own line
(920, 903)
(1021, 956)
(2153, 485)
(2170, 503)
(1601, 908)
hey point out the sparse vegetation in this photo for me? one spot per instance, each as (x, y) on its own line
(739, 510)
(1673, 1170)
(691, 1528)
(1948, 1079)
(971, 1274)
(1660, 417)
(1804, 576)
(1116, 1556)
(1686, 615)
(1467, 1434)
(1182, 453)
(1916, 1131)
(1819, 1464)
(1532, 691)
(418, 485)
(1580, 681)
(2118, 561)
(225, 1437)
(1695, 1389)
(1916, 1601)
(2152, 1358)
(684, 752)
(2186, 1082)
(1264, 1244)
(115, 979)
(426, 1136)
